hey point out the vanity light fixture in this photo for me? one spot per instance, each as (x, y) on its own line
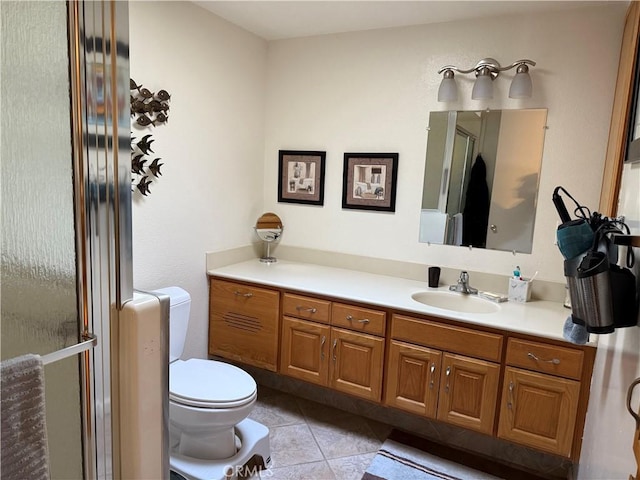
(486, 71)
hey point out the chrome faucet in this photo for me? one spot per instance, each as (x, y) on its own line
(463, 285)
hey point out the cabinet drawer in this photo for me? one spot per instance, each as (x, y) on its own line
(358, 318)
(541, 357)
(447, 337)
(247, 300)
(306, 307)
(244, 323)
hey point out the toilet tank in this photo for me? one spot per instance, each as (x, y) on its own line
(178, 319)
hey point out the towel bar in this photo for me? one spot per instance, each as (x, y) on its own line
(89, 341)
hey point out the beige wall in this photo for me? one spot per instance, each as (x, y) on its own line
(210, 192)
(372, 92)
(237, 100)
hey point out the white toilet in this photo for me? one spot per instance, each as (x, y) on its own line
(209, 401)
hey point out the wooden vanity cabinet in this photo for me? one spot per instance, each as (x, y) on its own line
(304, 350)
(356, 363)
(458, 389)
(306, 336)
(345, 359)
(413, 378)
(244, 323)
(540, 395)
(468, 392)
(433, 368)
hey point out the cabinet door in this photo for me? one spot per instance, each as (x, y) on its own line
(304, 350)
(244, 323)
(538, 410)
(413, 378)
(356, 363)
(468, 392)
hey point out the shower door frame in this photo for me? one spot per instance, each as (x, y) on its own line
(101, 140)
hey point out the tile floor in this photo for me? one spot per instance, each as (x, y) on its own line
(313, 441)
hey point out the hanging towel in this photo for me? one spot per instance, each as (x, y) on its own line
(476, 207)
(23, 440)
(574, 332)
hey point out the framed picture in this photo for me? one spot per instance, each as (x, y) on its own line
(301, 177)
(369, 181)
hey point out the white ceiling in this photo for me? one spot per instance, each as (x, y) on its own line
(274, 20)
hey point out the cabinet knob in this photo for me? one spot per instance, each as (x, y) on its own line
(510, 401)
(300, 308)
(432, 369)
(361, 320)
(555, 361)
(447, 373)
(240, 294)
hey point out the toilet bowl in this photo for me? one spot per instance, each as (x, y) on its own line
(207, 399)
(209, 402)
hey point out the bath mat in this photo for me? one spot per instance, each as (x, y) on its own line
(409, 457)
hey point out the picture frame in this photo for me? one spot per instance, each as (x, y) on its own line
(369, 181)
(301, 176)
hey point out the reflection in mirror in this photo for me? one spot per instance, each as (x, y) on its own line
(481, 178)
(269, 229)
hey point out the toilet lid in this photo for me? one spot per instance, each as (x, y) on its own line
(209, 384)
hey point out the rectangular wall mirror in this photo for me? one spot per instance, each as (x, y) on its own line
(481, 178)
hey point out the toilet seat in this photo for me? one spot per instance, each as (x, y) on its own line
(210, 384)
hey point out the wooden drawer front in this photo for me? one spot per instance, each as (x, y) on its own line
(446, 337)
(244, 323)
(564, 362)
(248, 300)
(357, 318)
(306, 307)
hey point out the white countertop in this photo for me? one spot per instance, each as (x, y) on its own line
(541, 318)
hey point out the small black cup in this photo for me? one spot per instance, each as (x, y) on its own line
(434, 276)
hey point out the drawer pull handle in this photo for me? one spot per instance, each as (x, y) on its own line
(510, 402)
(555, 361)
(245, 295)
(322, 342)
(447, 373)
(362, 320)
(306, 309)
(432, 369)
(333, 349)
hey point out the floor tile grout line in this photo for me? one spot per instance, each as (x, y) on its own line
(305, 419)
(317, 443)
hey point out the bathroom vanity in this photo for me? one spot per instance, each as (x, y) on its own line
(503, 370)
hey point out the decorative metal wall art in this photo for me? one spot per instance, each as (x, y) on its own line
(149, 109)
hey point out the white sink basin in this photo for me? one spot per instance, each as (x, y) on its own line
(456, 302)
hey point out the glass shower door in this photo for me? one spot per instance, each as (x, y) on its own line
(39, 301)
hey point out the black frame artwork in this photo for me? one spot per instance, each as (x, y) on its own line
(369, 181)
(301, 176)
